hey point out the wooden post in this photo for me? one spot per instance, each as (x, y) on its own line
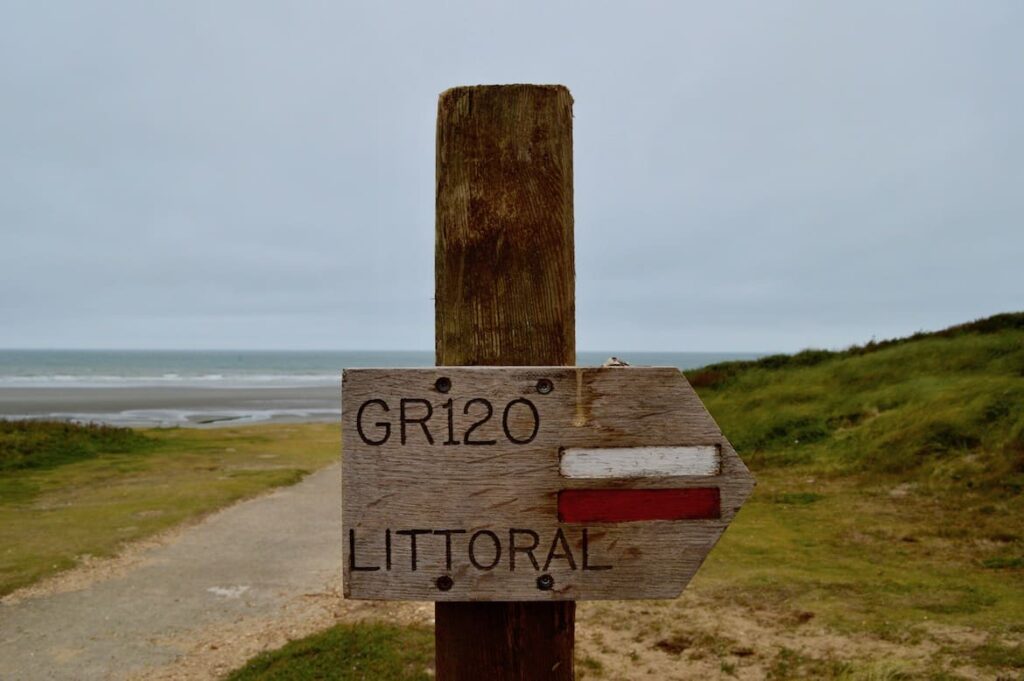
(505, 295)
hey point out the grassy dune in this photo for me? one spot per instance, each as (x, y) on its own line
(68, 492)
(885, 539)
(942, 410)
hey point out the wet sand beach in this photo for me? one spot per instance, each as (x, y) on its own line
(174, 405)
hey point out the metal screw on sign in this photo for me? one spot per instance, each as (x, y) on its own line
(544, 386)
(545, 582)
(443, 384)
(444, 583)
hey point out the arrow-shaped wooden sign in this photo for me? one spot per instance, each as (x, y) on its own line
(530, 483)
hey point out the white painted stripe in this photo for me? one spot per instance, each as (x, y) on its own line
(641, 462)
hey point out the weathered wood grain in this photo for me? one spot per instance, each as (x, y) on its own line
(450, 482)
(504, 271)
(505, 295)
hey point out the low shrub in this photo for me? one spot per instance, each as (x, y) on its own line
(45, 444)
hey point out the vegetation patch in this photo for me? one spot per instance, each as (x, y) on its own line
(1004, 563)
(790, 664)
(587, 666)
(45, 444)
(719, 374)
(348, 652)
(999, 655)
(944, 410)
(797, 498)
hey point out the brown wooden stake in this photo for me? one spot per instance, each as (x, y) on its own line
(505, 295)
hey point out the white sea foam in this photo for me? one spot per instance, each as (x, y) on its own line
(169, 418)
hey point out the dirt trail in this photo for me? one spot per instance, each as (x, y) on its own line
(196, 602)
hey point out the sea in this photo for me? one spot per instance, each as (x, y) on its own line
(164, 388)
(254, 368)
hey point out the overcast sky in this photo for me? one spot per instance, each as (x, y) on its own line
(749, 176)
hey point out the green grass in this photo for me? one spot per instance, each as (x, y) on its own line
(866, 562)
(586, 667)
(365, 651)
(68, 491)
(945, 411)
(46, 444)
(348, 652)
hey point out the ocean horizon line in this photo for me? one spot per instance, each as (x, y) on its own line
(253, 368)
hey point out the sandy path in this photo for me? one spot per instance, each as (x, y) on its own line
(197, 602)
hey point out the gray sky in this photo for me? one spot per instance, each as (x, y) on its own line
(749, 176)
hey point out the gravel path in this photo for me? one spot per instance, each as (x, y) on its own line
(198, 601)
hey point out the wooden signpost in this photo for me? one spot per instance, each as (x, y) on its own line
(505, 483)
(522, 484)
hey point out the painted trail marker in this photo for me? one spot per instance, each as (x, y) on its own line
(530, 483)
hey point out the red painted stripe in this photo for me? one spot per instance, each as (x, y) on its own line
(625, 505)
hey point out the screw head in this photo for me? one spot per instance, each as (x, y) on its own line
(444, 583)
(545, 582)
(443, 384)
(544, 386)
